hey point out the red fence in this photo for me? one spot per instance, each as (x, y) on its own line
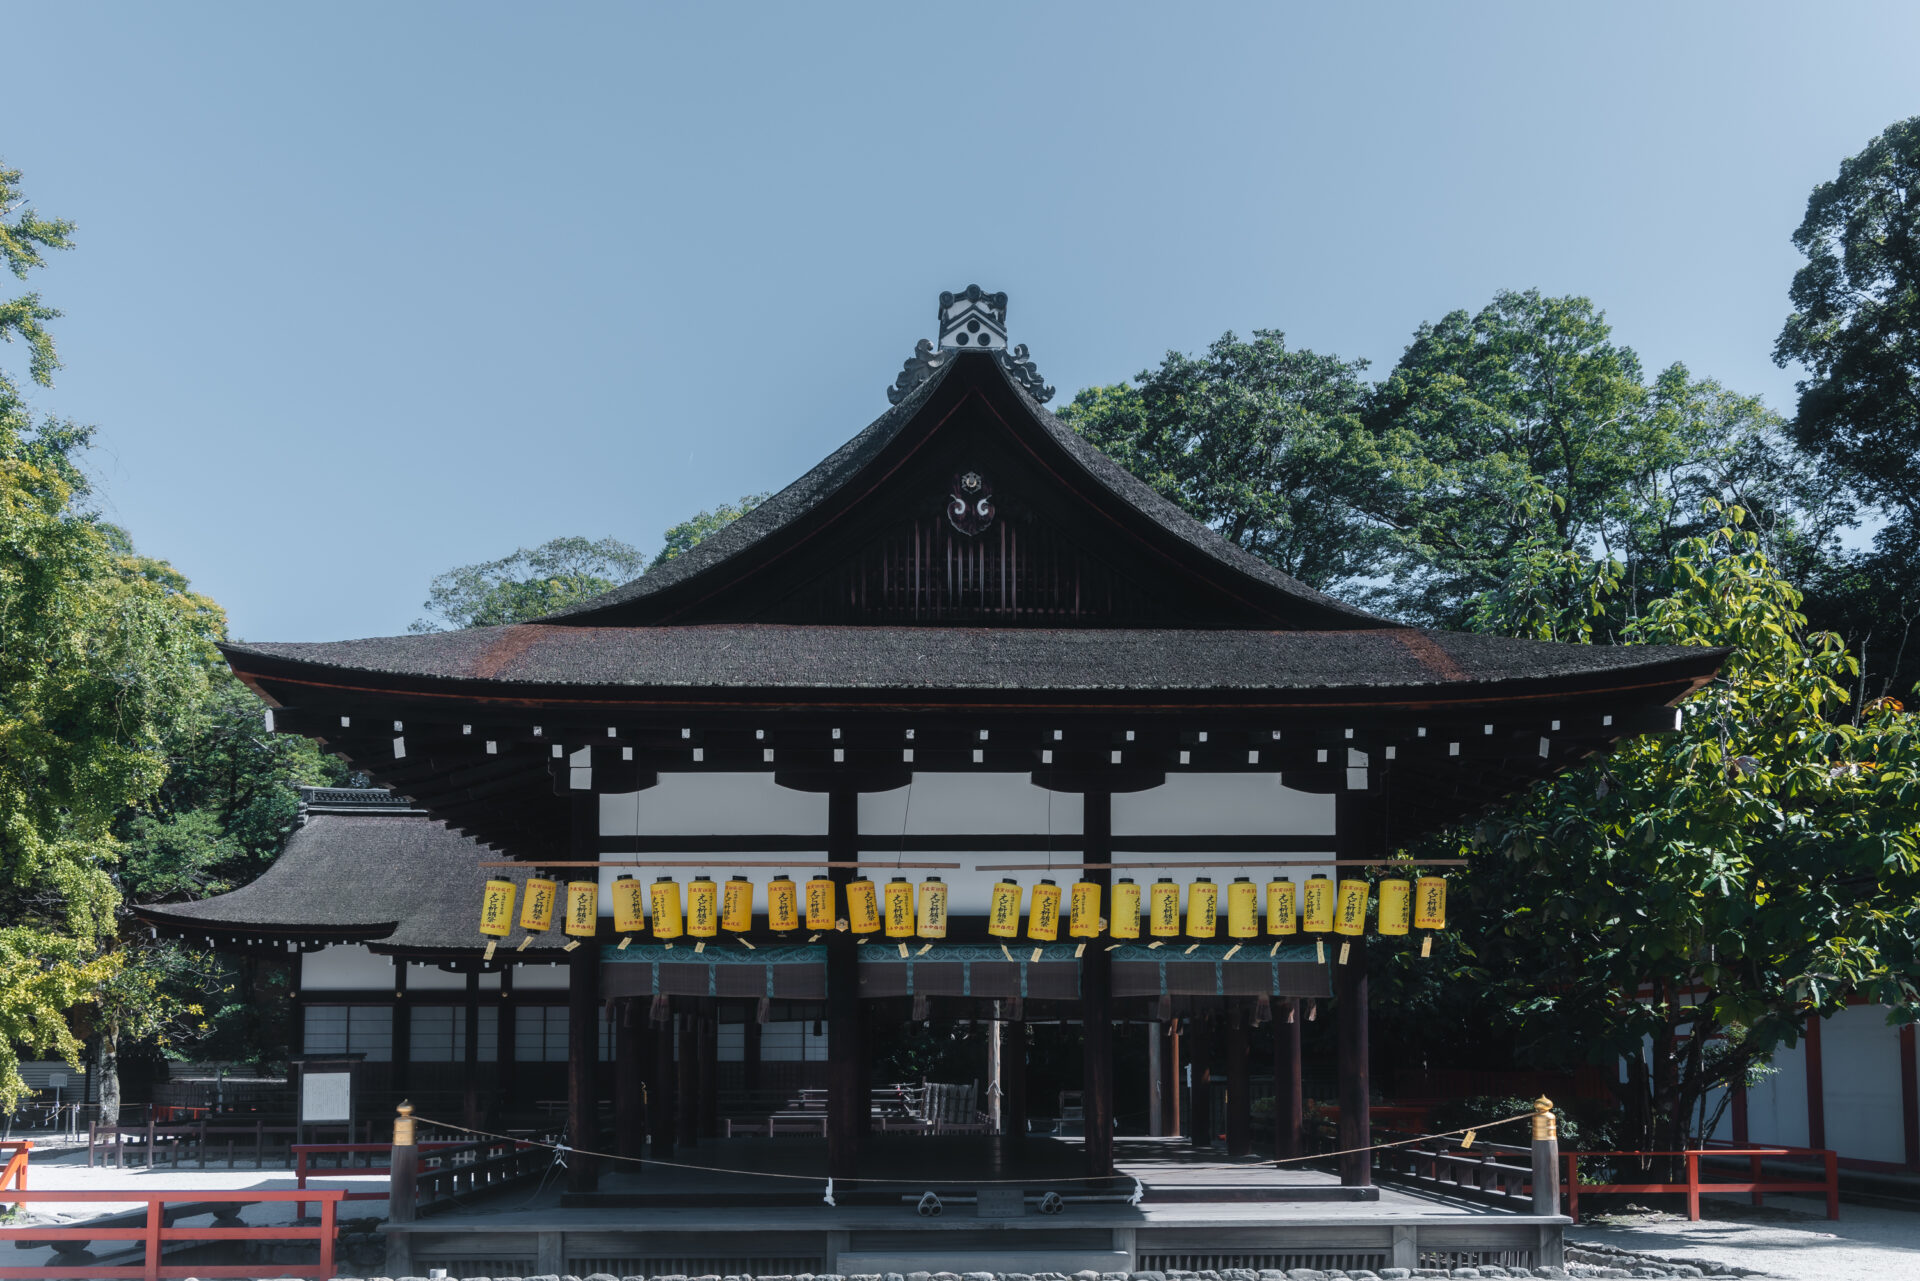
(15, 1173)
(1693, 1187)
(159, 1228)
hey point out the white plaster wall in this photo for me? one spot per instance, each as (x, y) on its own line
(539, 978)
(1860, 1072)
(344, 967)
(1777, 1107)
(944, 804)
(713, 805)
(431, 978)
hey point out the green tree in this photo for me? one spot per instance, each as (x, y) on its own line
(1252, 439)
(1686, 903)
(1855, 331)
(530, 584)
(101, 650)
(681, 538)
(156, 992)
(1855, 326)
(1519, 453)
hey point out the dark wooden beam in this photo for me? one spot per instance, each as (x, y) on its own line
(1198, 1038)
(1289, 1097)
(1239, 1103)
(1361, 833)
(583, 1028)
(844, 1104)
(661, 1104)
(1096, 996)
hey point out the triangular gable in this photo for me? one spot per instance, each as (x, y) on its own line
(967, 504)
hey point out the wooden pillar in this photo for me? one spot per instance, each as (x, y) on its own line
(1156, 1100)
(583, 1017)
(507, 1049)
(629, 1125)
(1358, 833)
(1199, 1044)
(1170, 1081)
(660, 1084)
(1096, 996)
(470, 1057)
(844, 1105)
(709, 1069)
(1816, 1087)
(1909, 1097)
(686, 1038)
(1289, 1098)
(1013, 1079)
(402, 1029)
(1239, 1105)
(583, 1065)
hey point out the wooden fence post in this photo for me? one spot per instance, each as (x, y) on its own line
(403, 1168)
(1546, 1158)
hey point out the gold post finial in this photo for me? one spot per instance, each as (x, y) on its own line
(403, 1126)
(1545, 1125)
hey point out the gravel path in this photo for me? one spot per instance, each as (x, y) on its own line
(1791, 1237)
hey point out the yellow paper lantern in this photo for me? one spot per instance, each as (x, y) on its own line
(1163, 909)
(1126, 909)
(536, 912)
(820, 904)
(1003, 917)
(496, 909)
(783, 904)
(1318, 897)
(1083, 918)
(583, 908)
(1430, 903)
(1043, 918)
(703, 907)
(863, 907)
(1396, 906)
(667, 922)
(933, 908)
(1243, 909)
(1283, 907)
(629, 904)
(1203, 908)
(1350, 915)
(899, 906)
(736, 906)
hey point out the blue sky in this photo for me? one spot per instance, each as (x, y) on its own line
(367, 291)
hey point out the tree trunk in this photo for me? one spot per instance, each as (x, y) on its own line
(109, 1077)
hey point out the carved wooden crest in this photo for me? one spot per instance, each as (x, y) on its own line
(970, 504)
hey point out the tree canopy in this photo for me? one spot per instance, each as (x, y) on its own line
(529, 584)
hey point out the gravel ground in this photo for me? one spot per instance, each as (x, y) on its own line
(1791, 1237)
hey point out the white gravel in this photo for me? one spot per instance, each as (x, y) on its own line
(1791, 1237)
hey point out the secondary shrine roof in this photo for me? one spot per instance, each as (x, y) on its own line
(359, 869)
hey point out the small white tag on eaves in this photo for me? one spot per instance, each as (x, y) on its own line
(399, 748)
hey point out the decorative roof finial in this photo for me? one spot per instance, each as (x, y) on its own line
(970, 320)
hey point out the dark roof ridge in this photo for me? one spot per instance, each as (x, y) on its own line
(827, 477)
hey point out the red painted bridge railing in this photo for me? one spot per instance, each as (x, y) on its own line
(1756, 1183)
(159, 1226)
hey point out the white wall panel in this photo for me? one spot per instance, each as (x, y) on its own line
(539, 978)
(1860, 1072)
(345, 967)
(713, 805)
(1223, 805)
(943, 804)
(1777, 1107)
(431, 978)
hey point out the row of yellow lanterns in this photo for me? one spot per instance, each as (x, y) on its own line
(901, 910)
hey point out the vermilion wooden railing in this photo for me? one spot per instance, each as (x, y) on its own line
(15, 1173)
(1693, 1187)
(157, 1231)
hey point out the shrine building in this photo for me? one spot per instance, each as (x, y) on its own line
(966, 650)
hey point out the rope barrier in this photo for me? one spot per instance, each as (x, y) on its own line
(560, 1149)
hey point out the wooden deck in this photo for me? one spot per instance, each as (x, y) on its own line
(1193, 1214)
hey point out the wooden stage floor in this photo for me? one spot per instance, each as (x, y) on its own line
(1193, 1214)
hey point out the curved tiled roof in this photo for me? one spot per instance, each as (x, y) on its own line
(711, 556)
(389, 880)
(775, 656)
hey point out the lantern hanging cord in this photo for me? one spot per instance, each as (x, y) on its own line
(559, 1148)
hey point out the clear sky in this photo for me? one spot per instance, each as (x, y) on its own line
(366, 291)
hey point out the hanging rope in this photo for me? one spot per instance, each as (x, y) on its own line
(561, 1148)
